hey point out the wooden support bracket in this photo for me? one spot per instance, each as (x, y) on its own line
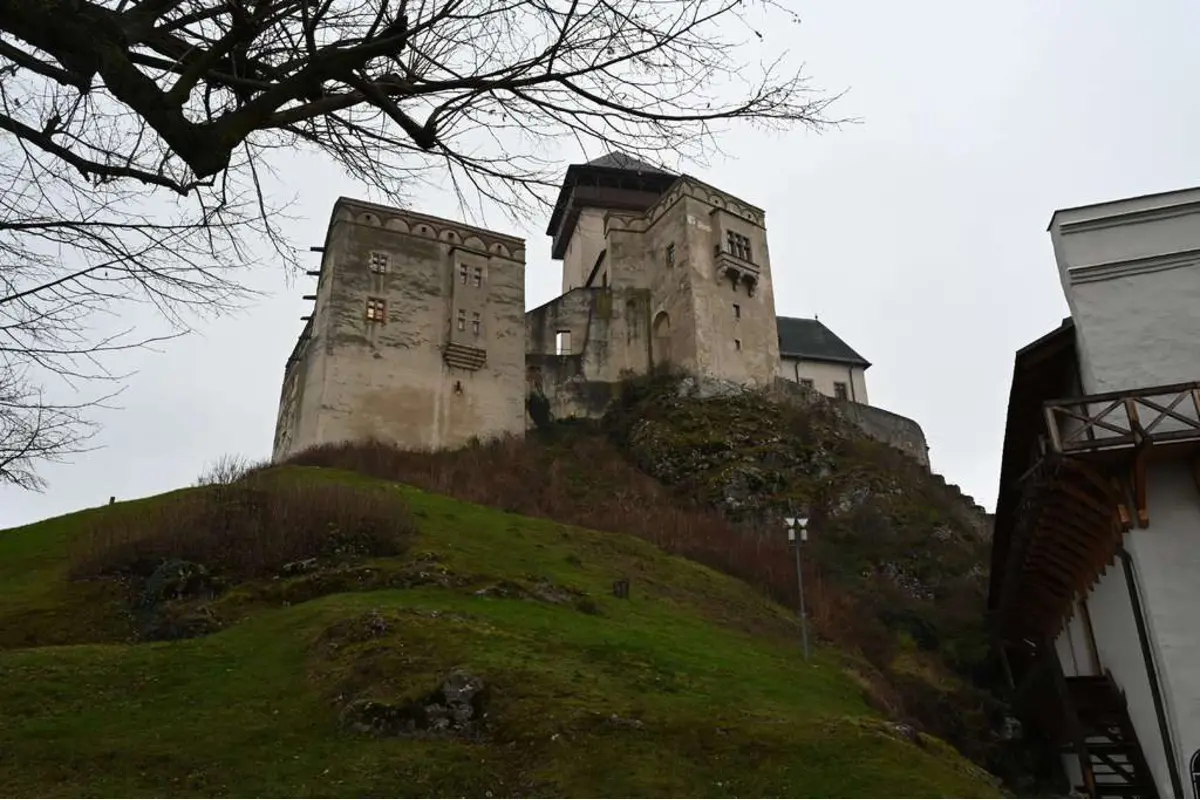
(1138, 479)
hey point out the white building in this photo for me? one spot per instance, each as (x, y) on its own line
(814, 356)
(1095, 597)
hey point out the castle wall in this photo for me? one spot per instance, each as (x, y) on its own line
(298, 423)
(609, 341)
(713, 314)
(824, 374)
(444, 360)
(585, 246)
(900, 432)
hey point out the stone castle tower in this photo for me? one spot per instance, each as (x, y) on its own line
(419, 334)
(691, 256)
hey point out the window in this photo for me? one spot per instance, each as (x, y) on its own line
(475, 323)
(562, 343)
(737, 311)
(479, 276)
(671, 254)
(462, 320)
(737, 344)
(462, 273)
(807, 383)
(839, 391)
(378, 262)
(738, 245)
(376, 309)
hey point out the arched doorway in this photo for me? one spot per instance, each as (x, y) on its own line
(662, 338)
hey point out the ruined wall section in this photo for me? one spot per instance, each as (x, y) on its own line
(422, 331)
(609, 341)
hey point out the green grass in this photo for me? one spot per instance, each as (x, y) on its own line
(710, 670)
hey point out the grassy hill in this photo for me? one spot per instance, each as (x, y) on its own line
(318, 633)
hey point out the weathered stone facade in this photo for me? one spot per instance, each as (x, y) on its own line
(419, 334)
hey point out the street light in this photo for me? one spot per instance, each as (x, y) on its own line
(800, 524)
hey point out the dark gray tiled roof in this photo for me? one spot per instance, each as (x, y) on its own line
(810, 339)
(619, 160)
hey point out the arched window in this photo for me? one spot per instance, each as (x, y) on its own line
(662, 338)
(1196, 774)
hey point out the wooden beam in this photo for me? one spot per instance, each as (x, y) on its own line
(309, 297)
(1122, 507)
(312, 272)
(1138, 478)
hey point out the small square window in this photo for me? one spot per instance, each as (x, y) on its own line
(479, 276)
(462, 320)
(562, 343)
(737, 311)
(737, 344)
(378, 262)
(671, 254)
(475, 323)
(807, 383)
(376, 309)
(839, 391)
(462, 273)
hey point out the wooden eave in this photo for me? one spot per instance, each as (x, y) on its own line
(1085, 491)
(1040, 371)
(604, 187)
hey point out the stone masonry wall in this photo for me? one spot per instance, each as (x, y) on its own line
(904, 435)
(609, 341)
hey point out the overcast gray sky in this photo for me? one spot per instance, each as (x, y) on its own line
(918, 235)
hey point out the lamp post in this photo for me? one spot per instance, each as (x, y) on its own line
(799, 524)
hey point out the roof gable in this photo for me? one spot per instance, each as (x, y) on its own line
(810, 339)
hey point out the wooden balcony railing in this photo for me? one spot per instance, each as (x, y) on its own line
(1121, 420)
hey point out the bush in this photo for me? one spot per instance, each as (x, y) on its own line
(229, 469)
(578, 477)
(246, 530)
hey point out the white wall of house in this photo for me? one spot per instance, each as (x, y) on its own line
(1120, 653)
(1167, 558)
(1130, 270)
(825, 374)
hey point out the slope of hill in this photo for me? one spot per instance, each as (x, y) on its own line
(309, 631)
(895, 565)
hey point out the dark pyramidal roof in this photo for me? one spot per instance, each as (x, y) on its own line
(619, 160)
(810, 339)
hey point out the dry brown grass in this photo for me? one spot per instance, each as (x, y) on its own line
(581, 479)
(246, 529)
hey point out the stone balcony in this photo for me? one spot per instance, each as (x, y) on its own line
(734, 269)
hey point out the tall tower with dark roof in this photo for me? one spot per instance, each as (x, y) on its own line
(613, 182)
(635, 236)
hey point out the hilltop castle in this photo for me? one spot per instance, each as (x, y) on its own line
(419, 332)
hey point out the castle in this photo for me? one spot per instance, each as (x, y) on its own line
(419, 333)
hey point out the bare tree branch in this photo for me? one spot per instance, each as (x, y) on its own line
(136, 132)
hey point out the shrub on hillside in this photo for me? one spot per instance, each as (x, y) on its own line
(229, 469)
(246, 529)
(576, 477)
